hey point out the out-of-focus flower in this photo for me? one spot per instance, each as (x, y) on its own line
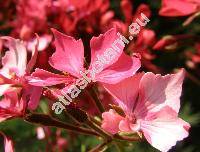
(179, 7)
(145, 41)
(8, 144)
(165, 43)
(75, 17)
(146, 37)
(61, 143)
(127, 10)
(194, 57)
(40, 133)
(151, 108)
(31, 17)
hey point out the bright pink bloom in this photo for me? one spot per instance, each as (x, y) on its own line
(179, 7)
(69, 57)
(8, 144)
(151, 104)
(16, 69)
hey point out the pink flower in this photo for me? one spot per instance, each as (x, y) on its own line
(8, 144)
(16, 69)
(31, 17)
(145, 40)
(179, 7)
(40, 133)
(107, 64)
(151, 104)
(11, 106)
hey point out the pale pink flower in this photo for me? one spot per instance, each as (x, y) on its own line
(40, 133)
(69, 58)
(15, 70)
(8, 144)
(151, 104)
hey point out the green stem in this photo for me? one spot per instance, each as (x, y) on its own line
(100, 147)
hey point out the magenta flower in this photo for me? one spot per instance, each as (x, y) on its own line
(151, 104)
(15, 70)
(108, 64)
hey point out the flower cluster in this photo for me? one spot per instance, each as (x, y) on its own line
(147, 100)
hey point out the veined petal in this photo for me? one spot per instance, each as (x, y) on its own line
(69, 55)
(125, 92)
(124, 67)
(44, 78)
(111, 121)
(163, 129)
(99, 45)
(157, 91)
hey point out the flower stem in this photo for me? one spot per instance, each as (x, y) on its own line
(99, 130)
(96, 100)
(118, 137)
(46, 120)
(100, 147)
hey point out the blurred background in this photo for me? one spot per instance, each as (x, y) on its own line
(165, 45)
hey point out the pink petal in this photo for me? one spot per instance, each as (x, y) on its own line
(5, 80)
(142, 8)
(8, 144)
(177, 8)
(124, 67)
(125, 92)
(35, 94)
(10, 106)
(124, 126)
(43, 43)
(69, 55)
(44, 78)
(111, 121)
(16, 58)
(126, 6)
(5, 84)
(5, 88)
(100, 44)
(157, 91)
(33, 59)
(9, 100)
(163, 129)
